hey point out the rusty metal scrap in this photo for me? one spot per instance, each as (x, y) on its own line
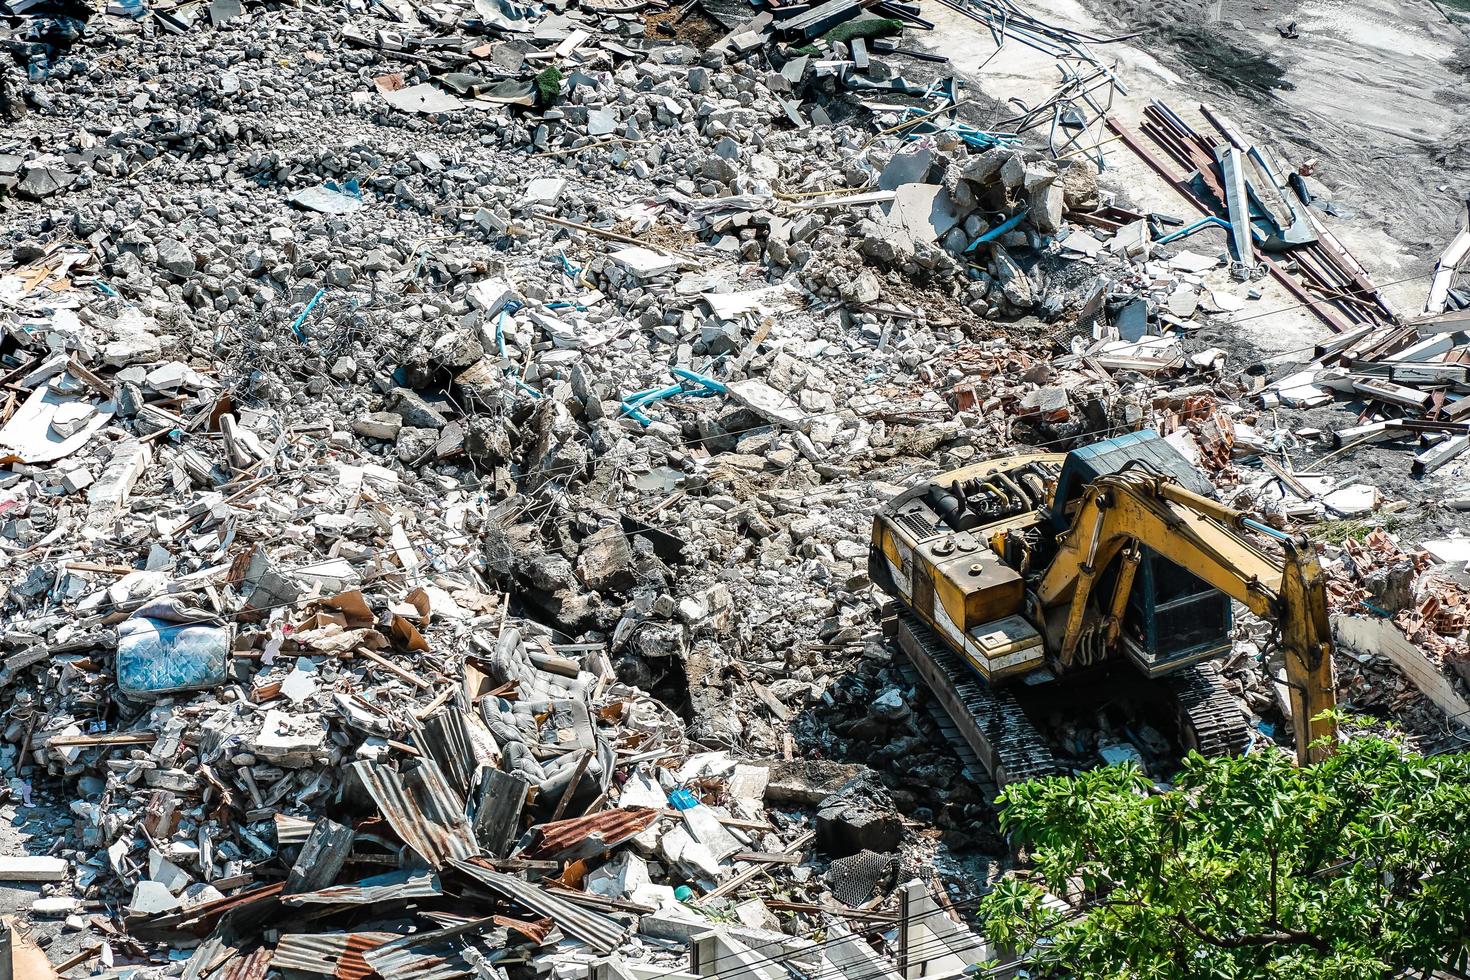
(422, 808)
(536, 931)
(603, 933)
(330, 954)
(592, 834)
(395, 885)
(430, 961)
(251, 967)
(437, 955)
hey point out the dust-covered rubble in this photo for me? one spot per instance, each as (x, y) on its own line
(440, 446)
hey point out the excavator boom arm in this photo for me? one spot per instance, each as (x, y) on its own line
(1201, 535)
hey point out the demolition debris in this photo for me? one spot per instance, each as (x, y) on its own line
(440, 444)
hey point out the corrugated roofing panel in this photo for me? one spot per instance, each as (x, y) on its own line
(602, 932)
(590, 834)
(441, 960)
(252, 967)
(329, 954)
(422, 808)
(395, 885)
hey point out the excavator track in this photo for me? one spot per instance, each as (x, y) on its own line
(991, 721)
(1210, 719)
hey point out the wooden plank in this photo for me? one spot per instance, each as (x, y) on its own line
(765, 857)
(393, 668)
(1297, 487)
(755, 870)
(94, 741)
(772, 703)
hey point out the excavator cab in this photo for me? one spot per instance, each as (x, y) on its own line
(1173, 617)
(1145, 449)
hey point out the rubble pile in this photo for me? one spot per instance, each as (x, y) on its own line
(440, 444)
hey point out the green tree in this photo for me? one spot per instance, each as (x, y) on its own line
(1251, 867)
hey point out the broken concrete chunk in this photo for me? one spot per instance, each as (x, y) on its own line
(378, 425)
(543, 192)
(151, 898)
(767, 402)
(175, 257)
(643, 262)
(490, 295)
(289, 740)
(1078, 180)
(416, 411)
(27, 868)
(859, 816)
(38, 182)
(1046, 207)
(606, 561)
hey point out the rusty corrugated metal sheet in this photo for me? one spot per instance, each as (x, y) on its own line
(395, 885)
(252, 967)
(602, 932)
(201, 919)
(441, 960)
(329, 954)
(535, 931)
(591, 834)
(422, 809)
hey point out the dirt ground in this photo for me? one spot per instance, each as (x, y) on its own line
(27, 831)
(1375, 90)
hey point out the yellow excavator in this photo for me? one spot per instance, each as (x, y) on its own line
(1035, 589)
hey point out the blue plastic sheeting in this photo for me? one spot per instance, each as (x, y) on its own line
(682, 799)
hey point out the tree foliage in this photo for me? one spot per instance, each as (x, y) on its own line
(1252, 867)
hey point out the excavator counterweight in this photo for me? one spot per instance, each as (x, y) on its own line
(1042, 578)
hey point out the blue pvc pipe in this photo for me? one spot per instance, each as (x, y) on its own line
(998, 230)
(707, 387)
(300, 320)
(1265, 529)
(705, 381)
(1199, 225)
(510, 372)
(657, 394)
